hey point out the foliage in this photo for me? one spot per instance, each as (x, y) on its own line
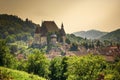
(11, 38)
(67, 41)
(112, 71)
(38, 64)
(56, 69)
(13, 48)
(74, 47)
(13, 28)
(22, 65)
(6, 59)
(9, 74)
(85, 68)
(71, 38)
(112, 36)
(64, 65)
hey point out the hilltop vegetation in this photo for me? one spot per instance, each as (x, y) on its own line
(71, 38)
(14, 28)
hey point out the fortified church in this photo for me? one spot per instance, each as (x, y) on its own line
(49, 34)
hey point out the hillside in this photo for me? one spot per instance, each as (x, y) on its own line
(91, 34)
(112, 36)
(74, 39)
(13, 25)
(9, 74)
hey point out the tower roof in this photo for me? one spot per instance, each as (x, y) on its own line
(62, 31)
(53, 36)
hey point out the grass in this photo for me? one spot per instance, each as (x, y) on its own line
(9, 74)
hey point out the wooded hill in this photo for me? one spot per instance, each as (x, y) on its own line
(11, 25)
(91, 34)
(112, 36)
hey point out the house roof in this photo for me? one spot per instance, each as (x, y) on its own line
(50, 26)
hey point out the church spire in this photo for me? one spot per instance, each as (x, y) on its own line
(62, 25)
(62, 31)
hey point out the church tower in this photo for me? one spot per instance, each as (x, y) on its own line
(37, 35)
(53, 39)
(41, 35)
(62, 33)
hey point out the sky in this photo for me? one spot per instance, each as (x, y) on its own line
(76, 15)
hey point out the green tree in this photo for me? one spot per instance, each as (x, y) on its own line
(38, 64)
(85, 68)
(98, 43)
(5, 34)
(6, 59)
(112, 71)
(11, 38)
(56, 68)
(74, 47)
(67, 41)
(64, 67)
(22, 65)
(13, 48)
